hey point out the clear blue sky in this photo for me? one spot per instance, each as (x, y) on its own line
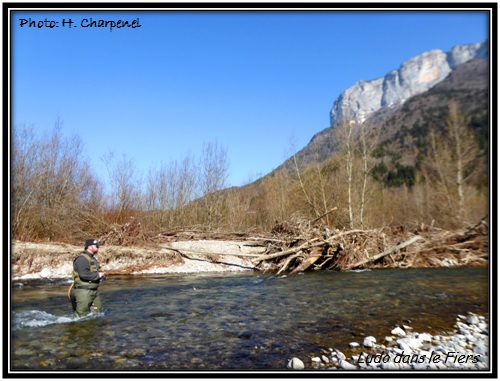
(257, 83)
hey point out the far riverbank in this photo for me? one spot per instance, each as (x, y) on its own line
(54, 261)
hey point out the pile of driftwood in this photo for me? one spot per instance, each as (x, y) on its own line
(293, 247)
(389, 247)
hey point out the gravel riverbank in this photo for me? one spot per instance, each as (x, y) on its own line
(467, 348)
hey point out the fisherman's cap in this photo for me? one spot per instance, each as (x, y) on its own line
(91, 242)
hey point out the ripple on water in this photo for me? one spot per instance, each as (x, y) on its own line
(232, 321)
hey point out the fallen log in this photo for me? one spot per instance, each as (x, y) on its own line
(264, 239)
(287, 262)
(308, 261)
(304, 246)
(323, 215)
(381, 255)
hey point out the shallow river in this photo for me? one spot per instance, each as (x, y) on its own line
(232, 321)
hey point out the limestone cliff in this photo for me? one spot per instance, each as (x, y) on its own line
(415, 76)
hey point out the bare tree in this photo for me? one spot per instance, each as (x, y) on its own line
(52, 185)
(298, 173)
(26, 179)
(453, 159)
(368, 140)
(125, 192)
(185, 189)
(465, 152)
(345, 139)
(170, 188)
(214, 167)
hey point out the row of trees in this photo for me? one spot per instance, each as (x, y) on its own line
(55, 196)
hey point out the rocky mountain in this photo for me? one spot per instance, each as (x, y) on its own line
(407, 119)
(414, 76)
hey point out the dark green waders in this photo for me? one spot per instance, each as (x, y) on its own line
(85, 300)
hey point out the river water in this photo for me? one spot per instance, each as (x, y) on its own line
(232, 321)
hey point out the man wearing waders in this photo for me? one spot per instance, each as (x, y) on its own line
(87, 275)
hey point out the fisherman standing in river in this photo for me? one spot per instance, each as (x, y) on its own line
(87, 276)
